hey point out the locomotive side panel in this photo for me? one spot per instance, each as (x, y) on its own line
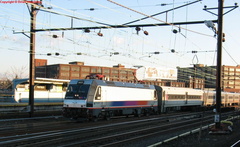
(125, 97)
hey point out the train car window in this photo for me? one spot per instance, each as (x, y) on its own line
(20, 86)
(98, 94)
(40, 87)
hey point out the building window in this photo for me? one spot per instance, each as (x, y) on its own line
(75, 68)
(75, 75)
(65, 68)
(106, 71)
(83, 75)
(123, 71)
(93, 70)
(64, 74)
(99, 70)
(85, 69)
(115, 71)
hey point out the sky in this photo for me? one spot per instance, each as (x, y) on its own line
(133, 48)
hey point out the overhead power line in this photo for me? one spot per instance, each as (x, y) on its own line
(171, 24)
(161, 12)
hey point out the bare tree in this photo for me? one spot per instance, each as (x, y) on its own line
(15, 73)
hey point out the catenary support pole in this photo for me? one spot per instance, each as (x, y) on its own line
(219, 65)
(33, 13)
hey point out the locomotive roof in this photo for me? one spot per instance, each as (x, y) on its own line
(112, 83)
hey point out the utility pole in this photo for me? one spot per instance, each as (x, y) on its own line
(219, 32)
(219, 65)
(33, 13)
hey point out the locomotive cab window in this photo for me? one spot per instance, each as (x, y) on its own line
(77, 91)
(155, 95)
(98, 94)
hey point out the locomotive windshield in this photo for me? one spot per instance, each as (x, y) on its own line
(77, 91)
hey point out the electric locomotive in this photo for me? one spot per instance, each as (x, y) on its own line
(93, 99)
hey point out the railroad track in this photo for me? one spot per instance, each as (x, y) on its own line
(130, 133)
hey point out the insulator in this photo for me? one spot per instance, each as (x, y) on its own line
(145, 32)
(49, 54)
(194, 51)
(175, 31)
(86, 30)
(137, 29)
(100, 34)
(57, 54)
(173, 50)
(55, 36)
(116, 53)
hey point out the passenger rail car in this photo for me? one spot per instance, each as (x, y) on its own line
(94, 99)
(45, 90)
(228, 99)
(177, 98)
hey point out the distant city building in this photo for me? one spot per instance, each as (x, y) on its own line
(231, 78)
(200, 76)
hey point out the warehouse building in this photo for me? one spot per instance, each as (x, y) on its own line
(77, 70)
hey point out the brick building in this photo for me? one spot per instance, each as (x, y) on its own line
(40, 62)
(77, 70)
(231, 78)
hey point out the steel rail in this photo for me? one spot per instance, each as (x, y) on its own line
(68, 137)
